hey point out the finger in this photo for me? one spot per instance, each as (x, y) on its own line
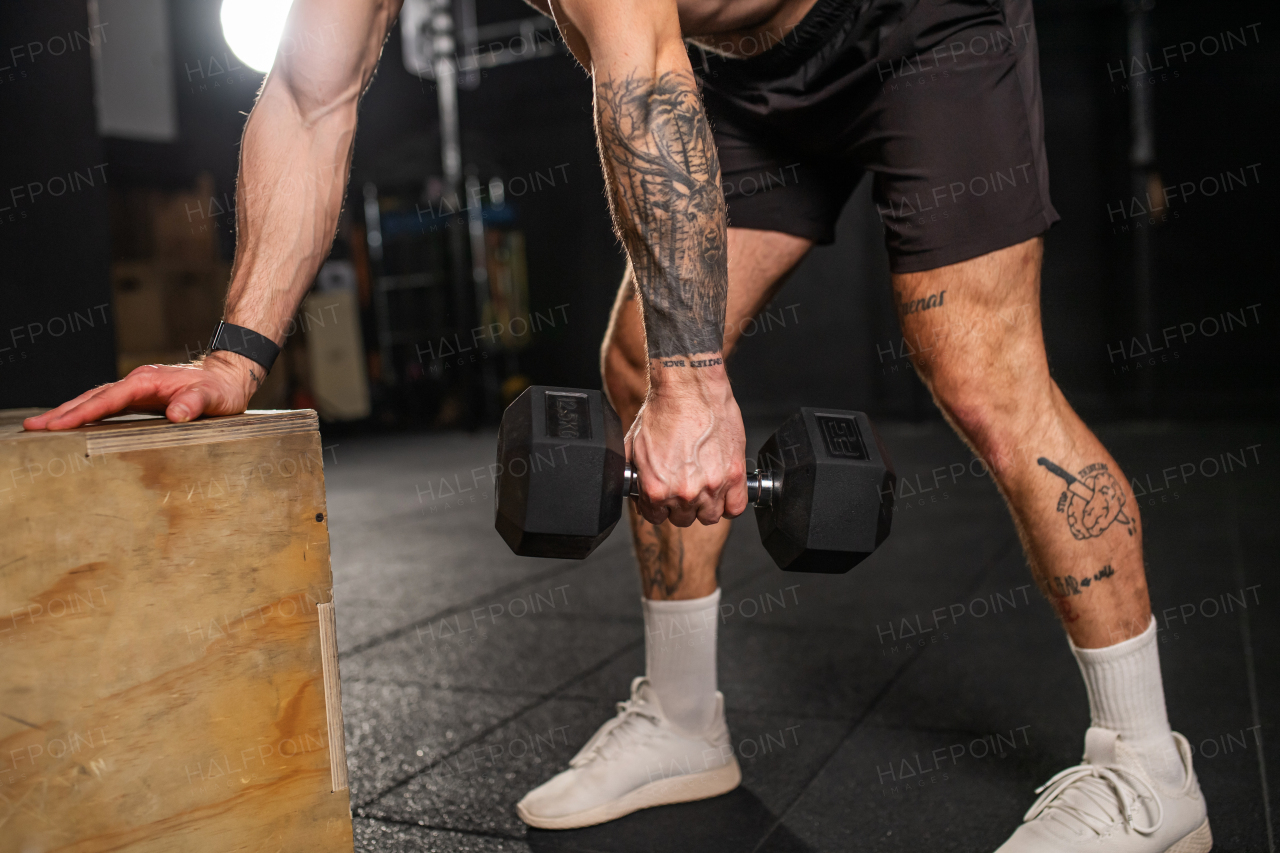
(709, 507)
(654, 514)
(41, 421)
(710, 513)
(187, 406)
(657, 504)
(109, 401)
(682, 515)
(735, 501)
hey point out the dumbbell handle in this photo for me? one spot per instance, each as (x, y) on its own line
(760, 486)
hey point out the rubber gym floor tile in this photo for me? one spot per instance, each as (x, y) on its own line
(1224, 764)
(604, 586)
(402, 549)
(777, 754)
(481, 648)
(377, 836)
(477, 788)
(800, 667)
(397, 563)
(1207, 688)
(806, 673)
(770, 671)
(396, 729)
(612, 682)
(780, 642)
(1226, 761)
(797, 674)
(1001, 661)
(1001, 673)
(908, 573)
(903, 790)
(392, 571)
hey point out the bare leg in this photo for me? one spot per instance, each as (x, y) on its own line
(980, 350)
(675, 563)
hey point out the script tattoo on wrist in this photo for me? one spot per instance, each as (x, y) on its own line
(664, 177)
(697, 362)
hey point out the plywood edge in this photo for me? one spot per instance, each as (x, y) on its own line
(155, 433)
(17, 416)
(333, 697)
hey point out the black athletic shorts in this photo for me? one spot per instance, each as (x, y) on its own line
(939, 100)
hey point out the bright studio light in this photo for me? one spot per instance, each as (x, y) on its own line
(252, 29)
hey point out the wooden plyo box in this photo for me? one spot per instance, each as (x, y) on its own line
(168, 664)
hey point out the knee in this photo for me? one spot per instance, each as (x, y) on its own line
(991, 412)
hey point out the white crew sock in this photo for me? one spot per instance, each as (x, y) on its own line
(680, 658)
(1126, 695)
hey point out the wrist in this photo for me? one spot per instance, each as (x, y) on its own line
(700, 375)
(244, 372)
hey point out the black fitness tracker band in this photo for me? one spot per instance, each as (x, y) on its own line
(245, 342)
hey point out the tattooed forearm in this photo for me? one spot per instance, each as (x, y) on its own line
(664, 178)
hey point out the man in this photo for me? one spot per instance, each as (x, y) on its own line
(940, 101)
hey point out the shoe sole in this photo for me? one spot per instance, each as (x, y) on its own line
(1200, 840)
(664, 792)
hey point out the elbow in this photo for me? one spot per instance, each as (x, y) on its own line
(329, 66)
(316, 93)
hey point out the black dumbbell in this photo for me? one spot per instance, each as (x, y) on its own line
(823, 490)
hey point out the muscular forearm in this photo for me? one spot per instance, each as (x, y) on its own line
(668, 208)
(293, 168)
(288, 198)
(295, 158)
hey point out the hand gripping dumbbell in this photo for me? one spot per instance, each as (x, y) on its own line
(823, 491)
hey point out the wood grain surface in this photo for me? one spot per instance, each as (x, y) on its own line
(161, 673)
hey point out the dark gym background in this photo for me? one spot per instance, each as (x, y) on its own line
(406, 557)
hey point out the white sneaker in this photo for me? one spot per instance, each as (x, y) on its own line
(636, 760)
(1109, 804)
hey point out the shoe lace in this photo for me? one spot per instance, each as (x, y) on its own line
(621, 731)
(1101, 786)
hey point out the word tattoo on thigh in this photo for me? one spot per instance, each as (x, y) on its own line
(1068, 585)
(1094, 500)
(933, 300)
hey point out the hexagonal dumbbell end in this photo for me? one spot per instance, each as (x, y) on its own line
(832, 503)
(558, 492)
